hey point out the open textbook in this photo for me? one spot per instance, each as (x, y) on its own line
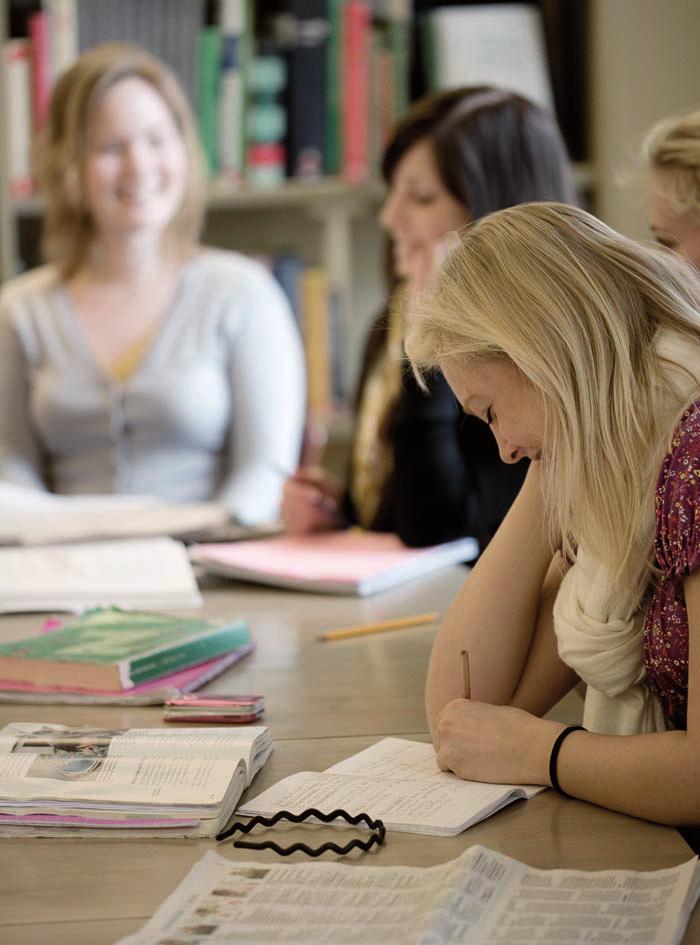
(397, 781)
(141, 573)
(337, 562)
(61, 781)
(481, 897)
(32, 517)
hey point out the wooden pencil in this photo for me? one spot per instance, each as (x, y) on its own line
(380, 626)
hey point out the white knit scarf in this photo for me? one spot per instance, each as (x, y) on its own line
(600, 628)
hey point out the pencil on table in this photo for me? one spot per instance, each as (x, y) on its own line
(381, 626)
(465, 675)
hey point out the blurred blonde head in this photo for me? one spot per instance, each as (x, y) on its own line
(672, 150)
(578, 309)
(61, 150)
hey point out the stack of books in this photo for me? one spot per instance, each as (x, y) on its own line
(60, 781)
(113, 656)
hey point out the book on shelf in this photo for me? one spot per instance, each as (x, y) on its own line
(41, 66)
(306, 89)
(64, 34)
(18, 108)
(347, 562)
(155, 692)
(235, 28)
(111, 649)
(209, 71)
(57, 780)
(397, 781)
(481, 897)
(134, 574)
(357, 24)
(488, 44)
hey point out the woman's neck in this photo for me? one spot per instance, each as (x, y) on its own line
(134, 261)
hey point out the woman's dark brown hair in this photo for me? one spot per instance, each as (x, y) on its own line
(493, 148)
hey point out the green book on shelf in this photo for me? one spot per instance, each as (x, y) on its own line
(114, 649)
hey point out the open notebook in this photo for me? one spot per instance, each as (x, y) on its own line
(339, 562)
(396, 781)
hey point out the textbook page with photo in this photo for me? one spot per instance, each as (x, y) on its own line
(138, 573)
(397, 781)
(480, 897)
(64, 781)
(351, 562)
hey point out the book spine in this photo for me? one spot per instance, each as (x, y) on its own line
(317, 339)
(234, 29)
(190, 652)
(40, 67)
(356, 91)
(18, 110)
(399, 44)
(64, 34)
(288, 269)
(334, 73)
(306, 95)
(208, 94)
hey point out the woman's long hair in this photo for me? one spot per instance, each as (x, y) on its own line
(580, 310)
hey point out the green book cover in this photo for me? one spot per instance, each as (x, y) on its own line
(334, 81)
(112, 649)
(209, 71)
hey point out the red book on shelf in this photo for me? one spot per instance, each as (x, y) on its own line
(356, 69)
(41, 68)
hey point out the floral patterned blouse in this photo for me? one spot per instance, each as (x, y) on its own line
(677, 555)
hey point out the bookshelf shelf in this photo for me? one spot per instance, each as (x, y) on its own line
(310, 196)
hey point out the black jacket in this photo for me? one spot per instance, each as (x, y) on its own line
(448, 479)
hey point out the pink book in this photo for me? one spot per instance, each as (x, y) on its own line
(154, 692)
(340, 562)
(355, 84)
(39, 34)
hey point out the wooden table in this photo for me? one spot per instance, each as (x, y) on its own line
(325, 701)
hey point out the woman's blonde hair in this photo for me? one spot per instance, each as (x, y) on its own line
(578, 309)
(672, 148)
(61, 150)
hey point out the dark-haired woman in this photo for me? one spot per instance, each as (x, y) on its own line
(419, 469)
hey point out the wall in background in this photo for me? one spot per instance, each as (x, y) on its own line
(644, 64)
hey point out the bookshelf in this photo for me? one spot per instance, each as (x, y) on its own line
(328, 221)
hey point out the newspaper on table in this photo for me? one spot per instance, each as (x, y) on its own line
(480, 897)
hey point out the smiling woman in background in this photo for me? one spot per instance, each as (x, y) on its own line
(419, 469)
(139, 361)
(672, 149)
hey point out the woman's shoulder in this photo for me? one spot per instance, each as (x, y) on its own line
(678, 497)
(29, 285)
(224, 268)
(685, 442)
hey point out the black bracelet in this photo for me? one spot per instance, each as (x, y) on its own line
(554, 755)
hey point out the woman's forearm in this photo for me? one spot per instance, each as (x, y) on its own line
(494, 615)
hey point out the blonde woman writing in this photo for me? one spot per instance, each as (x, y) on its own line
(581, 350)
